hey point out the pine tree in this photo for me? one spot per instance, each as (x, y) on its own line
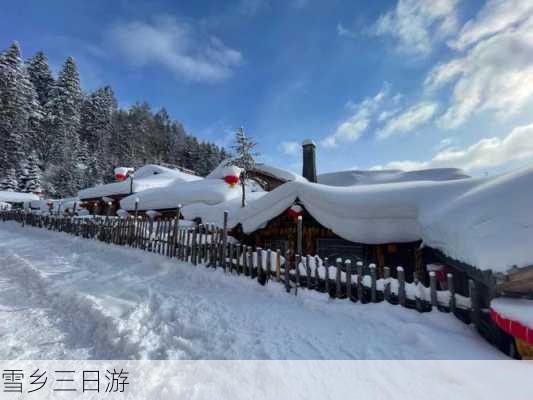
(9, 183)
(33, 179)
(40, 76)
(244, 158)
(19, 109)
(64, 109)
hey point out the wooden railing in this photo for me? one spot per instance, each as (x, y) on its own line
(211, 246)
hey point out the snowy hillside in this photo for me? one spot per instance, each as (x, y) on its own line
(66, 297)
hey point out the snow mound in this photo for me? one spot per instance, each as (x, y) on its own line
(355, 177)
(146, 177)
(279, 173)
(16, 197)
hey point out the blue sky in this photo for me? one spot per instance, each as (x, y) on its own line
(380, 84)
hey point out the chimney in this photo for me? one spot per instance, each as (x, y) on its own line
(309, 161)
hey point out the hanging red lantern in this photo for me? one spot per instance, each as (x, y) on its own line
(121, 173)
(295, 211)
(231, 175)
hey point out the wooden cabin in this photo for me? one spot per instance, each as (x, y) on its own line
(282, 233)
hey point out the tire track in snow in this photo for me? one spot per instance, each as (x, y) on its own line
(84, 323)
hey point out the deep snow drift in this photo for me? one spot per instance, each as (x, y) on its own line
(67, 297)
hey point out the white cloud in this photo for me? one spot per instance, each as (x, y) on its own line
(495, 16)
(416, 24)
(414, 117)
(342, 31)
(488, 152)
(176, 45)
(290, 148)
(352, 128)
(495, 75)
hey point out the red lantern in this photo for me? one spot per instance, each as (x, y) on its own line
(295, 211)
(231, 175)
(231, 180)
(121, 173)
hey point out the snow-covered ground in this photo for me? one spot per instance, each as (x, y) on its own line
(67, 297)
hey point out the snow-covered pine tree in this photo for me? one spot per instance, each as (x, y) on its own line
(33, 177)
(19, 109)
(42, 79)
(96, 127)
(64, 110)
(9, 182)
(244, 158)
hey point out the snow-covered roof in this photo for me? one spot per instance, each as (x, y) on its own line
(207, 191)
(146, 177)
(16, 197)
(356, 177)
(485, 222)
(279, 173)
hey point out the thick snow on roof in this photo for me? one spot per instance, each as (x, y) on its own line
(149, 176)
(280, 173)
(208, 191)
(16, 197)
(485, 222)
(355, 177)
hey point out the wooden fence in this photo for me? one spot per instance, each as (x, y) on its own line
(211, 246)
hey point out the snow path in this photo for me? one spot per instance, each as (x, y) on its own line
(63, 297)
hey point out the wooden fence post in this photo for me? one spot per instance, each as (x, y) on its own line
(251, 264)
(373, 283)
(338, 278)
(433, 289)
(225, 239)
(401, 288)
(451, 289)
(360, 289)
(386, 276)
(299, 237)
(418, 300)
(269, 263)
(286, 271)
(278, 264)
(308, 271)
(348, 271)
(326, 274)
(475, 310)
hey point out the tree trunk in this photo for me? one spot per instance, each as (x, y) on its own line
(243, 186)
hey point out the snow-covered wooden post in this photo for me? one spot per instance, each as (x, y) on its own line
(251, 265)
(475, 310)
(418, 301)
(326, 274)
(231, 253)
(338, 278)
(259, 253)
(308, 271)
(433, 288)
(278, 264)
(225, 239)
(451, 289)
(373, 280)
(269, 263)
(286, 271)
(297, 260)
(176, 231)
(238, 248)
(360, 281)
(299, 232)
(401, 288)
(348, 270)
(316, 277)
